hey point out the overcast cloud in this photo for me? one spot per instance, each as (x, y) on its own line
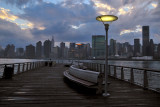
(74, 20)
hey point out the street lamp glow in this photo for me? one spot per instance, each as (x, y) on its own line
(106, 18)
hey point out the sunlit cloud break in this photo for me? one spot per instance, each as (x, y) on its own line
(125, 31)
(125, 10)
(6, 15)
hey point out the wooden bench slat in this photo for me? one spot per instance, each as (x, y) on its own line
(75, 79)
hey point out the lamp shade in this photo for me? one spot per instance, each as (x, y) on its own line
(106, 18)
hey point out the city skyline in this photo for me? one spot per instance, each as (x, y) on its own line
(25, 22)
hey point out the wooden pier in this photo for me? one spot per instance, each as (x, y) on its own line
(45, 87)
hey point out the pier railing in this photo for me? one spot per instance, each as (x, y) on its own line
(146, 78)
(21, 67)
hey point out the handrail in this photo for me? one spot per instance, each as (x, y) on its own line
(146, 78)
(21, 67)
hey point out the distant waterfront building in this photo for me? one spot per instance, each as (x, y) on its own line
(98, 46)
(87, 50)
(145, 40)
(52, 47)
(158, 51)
(47, 48)
(56, 52)
(119, 48)
(30, 51)
(39, 49)
(20, 52)
(72, 50)
(136, 47)
(151, 48)
(9, 51)
(1, 52)
(62, 47)
(112, 47)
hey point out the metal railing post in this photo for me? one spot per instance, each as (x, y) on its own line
(132, 76)
(122, 74)
(18, 70)
(115, 73)
(145, 80)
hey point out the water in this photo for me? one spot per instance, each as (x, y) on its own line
(155, 65)
(9, 61)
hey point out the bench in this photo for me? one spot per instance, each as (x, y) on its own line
(87, 78)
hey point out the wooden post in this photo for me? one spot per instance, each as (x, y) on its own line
(145, 80)
(115, 73)
(122, 74)
(132, 76)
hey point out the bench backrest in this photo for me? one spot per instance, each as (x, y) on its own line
(87, 75)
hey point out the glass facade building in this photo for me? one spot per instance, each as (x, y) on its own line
(98, 46)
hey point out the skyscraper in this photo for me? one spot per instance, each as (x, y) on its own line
(19, 52)
(136, 47)
(98, 46)
(62, 47)
(47, 48)
(39, 49)
(30, 51)
(72, 50)
(9, 51)
(145, 37)
(151, 48)
(112, 48)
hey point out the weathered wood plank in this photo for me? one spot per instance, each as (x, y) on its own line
(45, 87)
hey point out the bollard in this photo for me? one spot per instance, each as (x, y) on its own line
(8, 72)
(46, 63)
(50, 64)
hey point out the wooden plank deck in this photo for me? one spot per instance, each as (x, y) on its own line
(45, 87)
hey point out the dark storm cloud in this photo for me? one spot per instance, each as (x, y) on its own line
(58, 19)
(10, 33)
(20, 3)
(74, 20)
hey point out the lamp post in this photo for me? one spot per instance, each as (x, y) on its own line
(105, 19)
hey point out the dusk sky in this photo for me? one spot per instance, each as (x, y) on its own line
(24, 22)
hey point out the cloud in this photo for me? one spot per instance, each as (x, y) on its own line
(74, 20)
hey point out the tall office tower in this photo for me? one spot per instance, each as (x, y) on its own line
(87, 50)
(98, 46)
(52, 44)
(39, 50)
(112, 47)
(56, 52)
(136, 47)
(62, 47)
(72, 50)
(9, 51)
(20, 52)
(158, 50)
(151, 48)
(47, 48)
(145, 37)
(30, 51)
(119, 48)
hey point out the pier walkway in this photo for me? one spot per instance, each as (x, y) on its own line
(44, 87)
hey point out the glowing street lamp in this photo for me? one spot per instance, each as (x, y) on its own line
(105, 19)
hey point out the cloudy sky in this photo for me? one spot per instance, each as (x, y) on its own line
(24, 22)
